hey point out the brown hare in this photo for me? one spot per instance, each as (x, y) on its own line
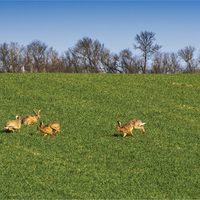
(14, 124)
(49, 128)
(31, 119)
(128, 127)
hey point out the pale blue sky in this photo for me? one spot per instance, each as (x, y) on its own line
(60, 24)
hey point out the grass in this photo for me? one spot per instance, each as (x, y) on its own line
(88, 159)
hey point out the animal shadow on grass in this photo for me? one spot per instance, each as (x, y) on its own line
(118, 135)
(5, 131)
(121, 135)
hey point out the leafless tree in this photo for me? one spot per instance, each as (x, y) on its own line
(66, 63)
(72, 62)
(11, 57)
(111, 64)
(27, 60)
(145, 44)
(88, 56)
(91, 54)
(187, 54)
(129, 64)
(4, 58)
(198, 61)
(165, 63)
(16, 58)
(156, 65)
(175, 66)
(37, 51)
(53, 62)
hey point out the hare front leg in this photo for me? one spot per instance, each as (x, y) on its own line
(124, 134)
(131, 133)
(55, 132)
(128, 132)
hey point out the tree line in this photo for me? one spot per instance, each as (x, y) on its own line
(90, 56)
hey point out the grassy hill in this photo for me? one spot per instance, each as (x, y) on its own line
(88, 158)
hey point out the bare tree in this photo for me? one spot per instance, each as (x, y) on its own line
(90, 53)
(66, 62)
(127, 61)
(187, 54)
(175, 66)
(4, 58)
(37, 52)
(83, 51)
(156, 65)
(111, 64)
(145, 41)
(198, 61)
(165, 63)
(72, 62)
(129, 64)
(16, 57)
(11, 58)
(53, 62)
(88, 56)
(27, 60)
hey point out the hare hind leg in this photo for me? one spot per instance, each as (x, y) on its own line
(55, 132)
(10, 129)
(50, 132)
(138, 127)
(143, 130)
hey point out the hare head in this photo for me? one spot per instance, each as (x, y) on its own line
(17, 117)
(39, 127)
(37, 113)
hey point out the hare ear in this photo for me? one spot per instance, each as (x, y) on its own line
(34, 111)
(39, 111)
(119, 123)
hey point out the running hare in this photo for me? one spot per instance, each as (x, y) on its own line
(128, 127)
(31, 119)
(14, 124)
(49, 128)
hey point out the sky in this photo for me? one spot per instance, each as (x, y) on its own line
(60, 24)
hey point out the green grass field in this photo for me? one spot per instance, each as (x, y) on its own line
(88, 159)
